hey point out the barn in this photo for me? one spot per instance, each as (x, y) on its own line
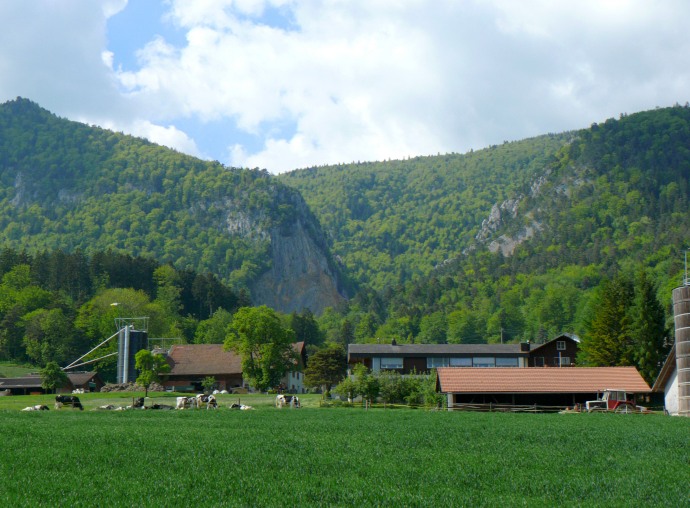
(546, 387)
(191, 363)
(31, 384)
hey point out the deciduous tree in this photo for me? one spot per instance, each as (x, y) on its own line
(151, 367)
(257, 335)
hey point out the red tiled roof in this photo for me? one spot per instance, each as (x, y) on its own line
(203, 360)
(540, 380)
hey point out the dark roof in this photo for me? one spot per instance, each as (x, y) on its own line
(565, 336)
(203, 360)
(368, 350)
(30, 381)
(540, 380)
(667, 369)
(81, 378)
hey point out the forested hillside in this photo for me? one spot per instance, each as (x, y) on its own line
(515, 242)
(65, 185)
(392, 221)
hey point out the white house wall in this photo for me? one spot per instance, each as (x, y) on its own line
(671, 394)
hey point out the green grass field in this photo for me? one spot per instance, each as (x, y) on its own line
(14, 370)
(335, 457)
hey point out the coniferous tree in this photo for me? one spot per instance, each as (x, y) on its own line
(608, 341)
(648, 329)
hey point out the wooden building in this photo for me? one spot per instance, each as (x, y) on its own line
(191, 363)
(406, 358)
(31, 384)
(534, 385)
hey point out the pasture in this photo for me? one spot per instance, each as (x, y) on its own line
(336, 457)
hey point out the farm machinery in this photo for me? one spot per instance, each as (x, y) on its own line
(618, 401)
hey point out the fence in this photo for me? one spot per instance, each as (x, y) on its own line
(507, 408)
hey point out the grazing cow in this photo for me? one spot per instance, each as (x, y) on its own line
(68, 400)
(287, 401)
(38, 407)
(209, 400)
(186, 402)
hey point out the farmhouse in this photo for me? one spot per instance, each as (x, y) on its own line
(532, 385)
(191, 363)
(406, 358)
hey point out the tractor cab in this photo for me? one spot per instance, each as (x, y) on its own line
(612, 400)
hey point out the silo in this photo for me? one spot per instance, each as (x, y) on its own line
(129, 342)
(681, 317)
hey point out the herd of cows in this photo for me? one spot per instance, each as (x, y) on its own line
(194, 402)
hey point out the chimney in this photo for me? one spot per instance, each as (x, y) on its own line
(394, 343)
(524, 347)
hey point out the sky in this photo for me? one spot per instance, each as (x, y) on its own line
(288, 84)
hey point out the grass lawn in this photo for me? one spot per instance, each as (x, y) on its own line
(14, 370)
(335, 457)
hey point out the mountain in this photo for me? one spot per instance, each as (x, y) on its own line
(510, 242)
(65, 185)
(392, 221)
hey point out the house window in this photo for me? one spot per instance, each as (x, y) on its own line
(481, 361)
(391, 363)
(563, 361)
(461, 362)
(560, 345)
(506, 362)
(433, 363)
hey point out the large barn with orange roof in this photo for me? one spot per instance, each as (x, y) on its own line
(541, 386)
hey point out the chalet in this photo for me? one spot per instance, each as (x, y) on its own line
(533, 385)
(191, 363)
(406, 358)
(559, 352)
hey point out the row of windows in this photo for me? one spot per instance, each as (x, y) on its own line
(433, 363)
(477, 361)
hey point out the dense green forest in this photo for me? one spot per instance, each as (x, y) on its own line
(65, 185)
(55, 306)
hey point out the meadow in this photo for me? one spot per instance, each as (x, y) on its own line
(336, 457)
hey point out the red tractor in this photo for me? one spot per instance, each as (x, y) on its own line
(613, 400)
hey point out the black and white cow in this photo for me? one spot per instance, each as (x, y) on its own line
(287, 401)
(209, 400)
(186, 402)
(68, 400)
(38, 407)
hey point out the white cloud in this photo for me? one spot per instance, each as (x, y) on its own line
(324, 82)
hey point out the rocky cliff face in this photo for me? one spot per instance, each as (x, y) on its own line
(300, 277)
(302, 273)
